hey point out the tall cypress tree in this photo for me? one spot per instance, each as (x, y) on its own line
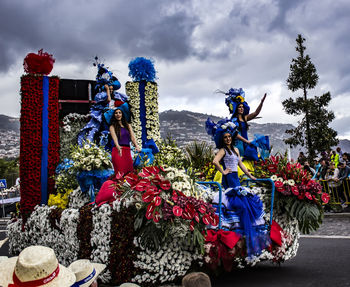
(312, 131)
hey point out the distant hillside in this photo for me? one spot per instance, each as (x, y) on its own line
(186, 126)
(183, 126)
(8, 123)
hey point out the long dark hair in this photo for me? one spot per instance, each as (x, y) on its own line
(235, 115)
(231, 146)
(116, 124)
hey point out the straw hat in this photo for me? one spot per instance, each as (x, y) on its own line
(37, 265)
(85, 271)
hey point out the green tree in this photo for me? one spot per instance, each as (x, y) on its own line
(313, 130)
(9, 170)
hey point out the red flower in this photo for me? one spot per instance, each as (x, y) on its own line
(131, 179)
(165, 185)
(147, 196)
(196, 216)
(278, 184)
(177, 210)
(192, 225)
(157, 180)
(308, 195)
(325, 197)
(175, 196)
(202, 209)
(214, 219)
(142, 185)
(206, 219)
(152, 189)
(149, 215)
(156, 217)
(272, 168)
(150, 208)
(295, 190)
(157, 201)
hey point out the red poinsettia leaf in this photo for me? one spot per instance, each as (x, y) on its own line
(196, 217)
(151, 207)
(149, 215)
(278, 183)
(147, 197)
(308, 195)
(325, 197)
(202, 209)
(156, 217)
(295, 190)
(153, 189)
(206, 219)
(165, 185)
(214, 219)
(144, 174)
(177, 210)
(157, 200)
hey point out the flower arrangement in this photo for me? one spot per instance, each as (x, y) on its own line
(71, 125)
(90, 157)
(169, 154)
(164, 211)
(297, 194)
(60, 199)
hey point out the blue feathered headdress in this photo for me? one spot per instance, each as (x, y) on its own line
(216, 131)
(234, 98)
(105, 76)
(142, 69)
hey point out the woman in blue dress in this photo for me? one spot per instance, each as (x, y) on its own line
(247, 206)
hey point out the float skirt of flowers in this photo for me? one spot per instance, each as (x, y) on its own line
(39, 144)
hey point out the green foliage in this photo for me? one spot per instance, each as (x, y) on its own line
(198, 154)
(313, 130)
(309, 216)
(169, 154)
(9, 170)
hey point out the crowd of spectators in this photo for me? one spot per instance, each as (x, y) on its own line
(332, 166)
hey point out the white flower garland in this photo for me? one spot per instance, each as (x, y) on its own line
(100, 238)
(132, 90)
(78, 199)
(164, 265)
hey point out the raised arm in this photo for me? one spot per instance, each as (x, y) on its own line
(108, 92)
(257, 111)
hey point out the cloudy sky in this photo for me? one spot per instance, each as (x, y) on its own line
(198, 47)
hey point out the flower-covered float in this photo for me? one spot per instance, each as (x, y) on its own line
(158, 223)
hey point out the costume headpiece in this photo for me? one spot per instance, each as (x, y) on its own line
(218, 130)
(234, 98)
(125, 110)
(104, 76)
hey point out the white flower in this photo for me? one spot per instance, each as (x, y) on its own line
(291, 182)
(274, 177)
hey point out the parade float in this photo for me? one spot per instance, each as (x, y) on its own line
(160, 223)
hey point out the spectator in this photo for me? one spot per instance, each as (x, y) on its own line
(322, 170)
(339, 151)
(345, 158)
(335, 157)
(301, 158)
(344, 172)
(308, 168)
(332, 175)
(196, 279)
(35, 266)
(86, 273)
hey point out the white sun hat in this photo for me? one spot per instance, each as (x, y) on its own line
(35, 266)
(85, 272)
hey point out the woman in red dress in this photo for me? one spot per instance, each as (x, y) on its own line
(122, 133)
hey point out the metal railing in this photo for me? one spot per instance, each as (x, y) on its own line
(337, 190)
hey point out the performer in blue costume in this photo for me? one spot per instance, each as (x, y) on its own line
(107, 84)
(239, 109)
(242, 208)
